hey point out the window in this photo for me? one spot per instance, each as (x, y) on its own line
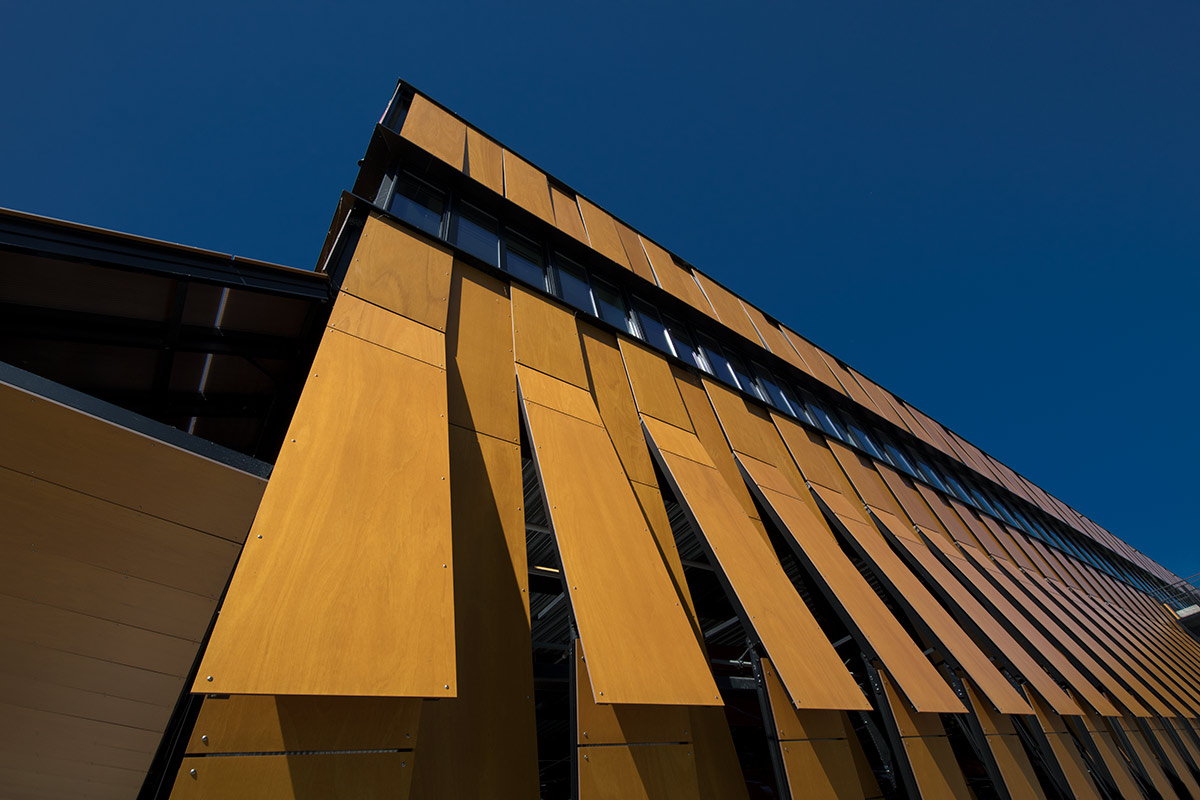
(864, 440)
(715, 357)
(682, 342)
(573, 285)
(827, 421)
(523, 259)
(653, 330)
(476, 232)
(774, 391)
(417, 203)
(898, 458)
(931, 476)
(744, 378)
(610, 305)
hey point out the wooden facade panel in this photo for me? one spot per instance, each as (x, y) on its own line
(490, 723)
(29, 776)
(866, 479)
(773, 338)
(38, 732)
(931, 759)
(481, 387)
(296, 777)
(847, 380)
(677, 441)
(348, 592)
(651, 501)
(402, 272)
(656, 772)
(640, 644)
(1005, 747)
(654, 388)
(527, 186)
(748, 427)
(124, 467)
(821, 770)
(634, 252)
(602, 232)
(436, 131)
(792, 723)
(387, 329)
(624, 723)
(485, 162)
(614, 400)
(36, 694)
(812, 455)
(883, 634)
(265, 724)
(545, 338)
(30, 662)
(810, 669)
(566, 214)
(814, 364)
(542, 389)
(675, 279)
(729, 308)
(717, 764)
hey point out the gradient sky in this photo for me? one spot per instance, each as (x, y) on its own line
(991, 209)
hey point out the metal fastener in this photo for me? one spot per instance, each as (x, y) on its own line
(447, 686)
(209, 679)
(204, 738)
(192, 772)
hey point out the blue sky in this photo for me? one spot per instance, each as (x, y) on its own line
(992, 209)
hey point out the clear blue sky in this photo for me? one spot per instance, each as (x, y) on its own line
(992, 209)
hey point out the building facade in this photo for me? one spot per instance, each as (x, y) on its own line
(504, 499)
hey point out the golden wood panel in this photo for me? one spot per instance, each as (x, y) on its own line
(821, 770)
(809, 451)
(982, 533)
(1138, 752)
(545, 337)
(1046, 650)
(717, 764)
(878, 396)
(905, 491)
(1175, 758)
(811, 670)
(566, 214)
(728, 307)
(847, 380)
(639, 641)
(29, 662)
(122, 467)
(265, 724)
(614, 399)
(814, 364)
(481, 390)
(748, 427)
(399, 271)
(635, 255)
(795, 724)
(348, 592)
(1001, 737)
(675, 279)
(540, 388)
(526, 185)
(495, 702)
(947, 516)
(651, 501)
(654, 388)
(1064, 749)
(602, 232)
(930, 757)
(862, 473)
(918, 679)
(974, 616)
(485, 162)
(775, 341)
(371, 323)
(657, 772)
(925, 610)
(1015, 553)
(624, 723)
(435, 130)
(358, 775)
(676, 441)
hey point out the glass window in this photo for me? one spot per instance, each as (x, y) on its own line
(573, 285)
(417, 203)
(774, 392)
(958, 489)
(610, 305)
(716, 359)
(798, 409)
(684, 347)
(864, 440)
(982, 499)
(653, 330)
(523, 259)
(827, 421)
(476, 232)
(931, 476)
(744, 378)
(898, 458)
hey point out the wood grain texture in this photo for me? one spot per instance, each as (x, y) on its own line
(481, 387)
(810, 669)
(1005, 747)
(266, 724)
(675, 279)
(821, 770)
(658, 772)
(349, 590)
(614, 400)
(123, 467)
(387, 329)
(878, 396)
(651, 501)
(639, 641)
(402, 272)
(485, 162)
(526, 185)
(654, 388)
(931, 759)
(811, 453)
(814, 364)
(540, 388)
(1064, 749)
(545, 338)
(717, 764)
(436, 131)
(602, 232)
(634, 254)
(624, 723)
(342, 775)
(847, 380)
(905, 491)
(747, 426)
(773, 338)
(490, 724)
(866, 479)
(883, 634)
(729, 308)
(792, 724)
(566, 214)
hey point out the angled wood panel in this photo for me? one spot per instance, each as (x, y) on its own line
(1002, 742)
(717, 764)
(526, 185)
(436, 131)
(1071, 765)
(634, 253)
(807, 663)
(639, 642)
(931, 760)
(481, 389)
(364, 321)
(774, 339)
(624, 723)
(544, 390)
(348, 592)
(654, 388)
(614, 400)
(620, 772)
(815, 365)
(401, 272)
(676, 280)
(566, 214)
(848, 590)
(602, 232)
(296, 777)
(545, 338)
(485, 162)
(729, 308)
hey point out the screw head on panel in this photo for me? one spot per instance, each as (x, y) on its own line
(192, 772)
(204, 738)
(209, 679)
(447, 686)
